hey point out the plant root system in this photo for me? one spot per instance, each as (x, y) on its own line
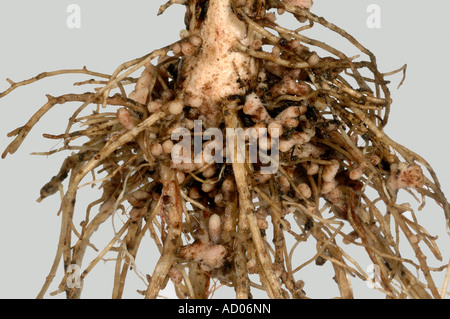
(232, 223)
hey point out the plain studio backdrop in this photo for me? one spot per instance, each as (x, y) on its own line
(35, 36)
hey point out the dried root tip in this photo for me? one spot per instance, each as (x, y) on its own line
(125, 118)
(405, 176)
(210, 256)
(49, 189)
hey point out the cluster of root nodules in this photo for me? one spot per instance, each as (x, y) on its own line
(224, 224)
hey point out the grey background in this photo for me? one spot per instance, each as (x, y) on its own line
(34, 38)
